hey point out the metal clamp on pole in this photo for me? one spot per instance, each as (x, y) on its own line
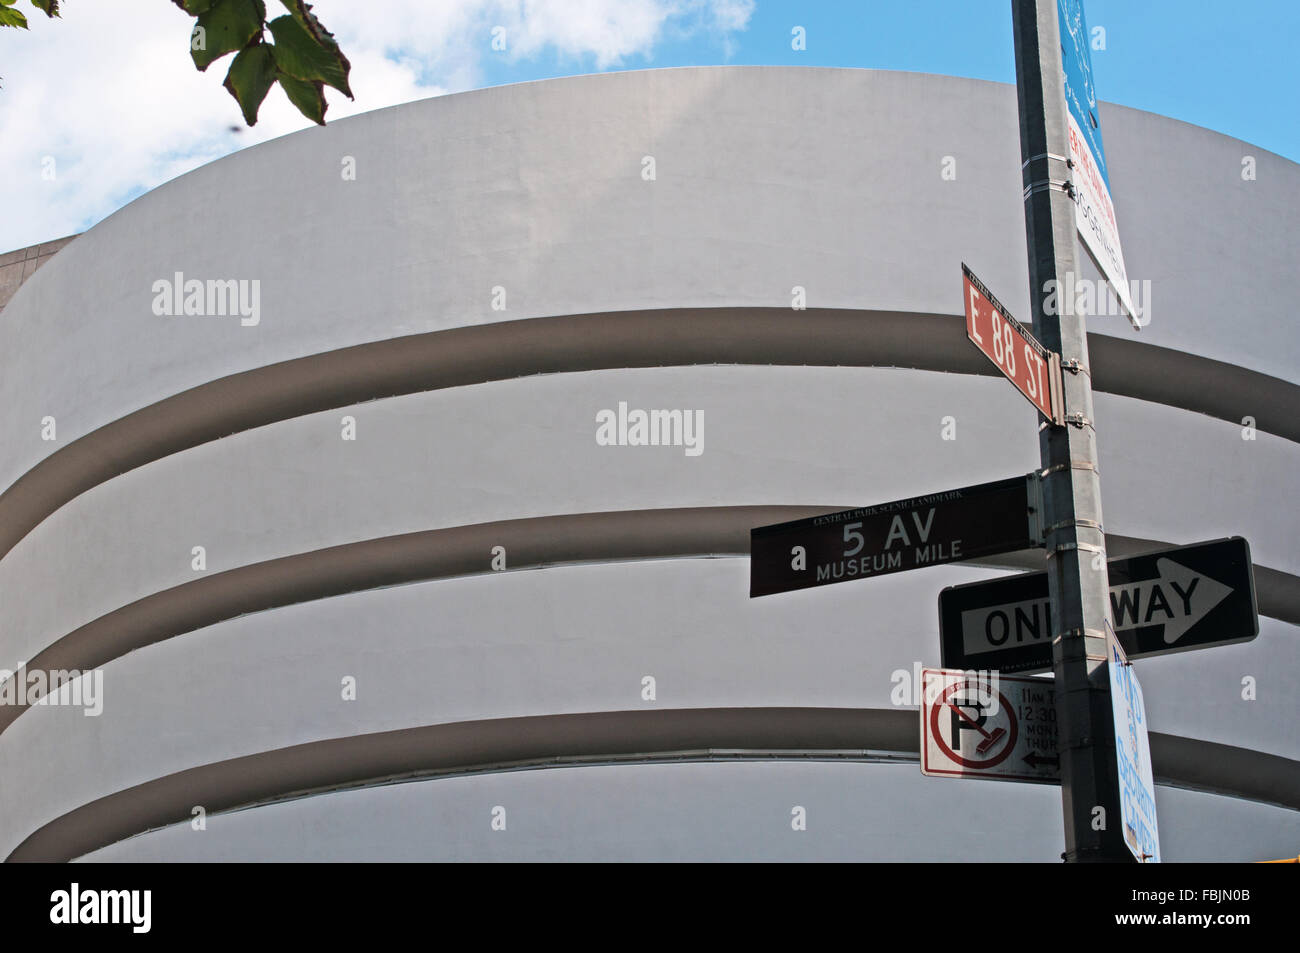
(1078, 420)
(1072, 465)
(1042, 185)
(1046, 155)
(1090, 524)
(1083, 634)
(1087, 547)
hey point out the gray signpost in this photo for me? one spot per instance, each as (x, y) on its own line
(1076, 545)
(1060, 506)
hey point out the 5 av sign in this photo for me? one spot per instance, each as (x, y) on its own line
(971, 521)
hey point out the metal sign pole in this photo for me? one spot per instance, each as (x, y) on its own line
(1076, 554)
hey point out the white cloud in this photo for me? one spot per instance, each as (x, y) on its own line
(109, 94)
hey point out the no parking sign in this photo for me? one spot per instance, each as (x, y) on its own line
(988, 725)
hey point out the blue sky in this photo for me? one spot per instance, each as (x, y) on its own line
(129, 111)
(1229, 66)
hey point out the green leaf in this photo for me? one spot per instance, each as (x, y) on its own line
(251, 76)
(10, 17)
(299, 55)
(195, 7)
(301, 12)
(308, 96)
(227, 26)
(49, 7)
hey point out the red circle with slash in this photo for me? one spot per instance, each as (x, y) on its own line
(990, 737)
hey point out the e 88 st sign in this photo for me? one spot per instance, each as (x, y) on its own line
(1008, 344)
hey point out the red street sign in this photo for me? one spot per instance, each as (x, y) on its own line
(1007, 343)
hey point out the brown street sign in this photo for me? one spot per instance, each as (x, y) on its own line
(929, 530)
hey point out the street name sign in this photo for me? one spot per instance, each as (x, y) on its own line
(1094, 212)
(1137, 788)
(1190, 597)
(985, 725)
(1006, 342)
(972, 521)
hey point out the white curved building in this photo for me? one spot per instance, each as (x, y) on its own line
(273, 529)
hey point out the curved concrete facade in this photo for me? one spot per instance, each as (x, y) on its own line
(535, 197)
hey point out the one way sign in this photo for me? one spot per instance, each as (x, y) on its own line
(1191, 597)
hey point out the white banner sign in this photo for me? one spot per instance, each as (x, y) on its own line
(1094, 212)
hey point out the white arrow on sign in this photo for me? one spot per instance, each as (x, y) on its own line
(1178, 599)
(1200, 591)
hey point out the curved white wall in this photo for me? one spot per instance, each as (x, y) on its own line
(555, 641)
(737, 812)
(527, 447)
(765, 178)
